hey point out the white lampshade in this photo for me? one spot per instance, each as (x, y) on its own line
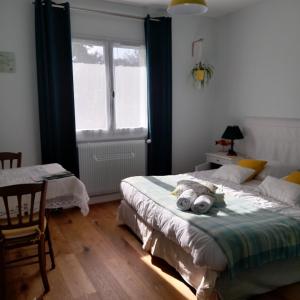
(187, 7)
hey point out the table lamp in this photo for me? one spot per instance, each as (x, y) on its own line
(232, 133)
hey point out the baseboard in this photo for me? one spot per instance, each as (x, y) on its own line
(104, 198)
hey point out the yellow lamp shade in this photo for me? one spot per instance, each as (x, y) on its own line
(187, 7)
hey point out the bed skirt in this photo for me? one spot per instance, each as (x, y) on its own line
(207, 283)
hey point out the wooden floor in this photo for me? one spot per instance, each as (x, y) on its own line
(96, 259)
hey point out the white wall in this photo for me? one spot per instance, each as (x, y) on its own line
(19, 121)
(255, 52)
(19, 118)
(258, 67)
(192, 108)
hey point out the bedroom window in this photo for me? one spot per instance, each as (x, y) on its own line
(110, 88)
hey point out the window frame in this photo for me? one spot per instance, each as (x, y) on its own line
(112, 133)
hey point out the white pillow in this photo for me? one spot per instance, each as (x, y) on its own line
(233, 173)
(281, 190)
(275, 169)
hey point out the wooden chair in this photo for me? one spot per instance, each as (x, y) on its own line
(9, 156)
(25, 227)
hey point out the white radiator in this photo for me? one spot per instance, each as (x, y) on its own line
(103, 165)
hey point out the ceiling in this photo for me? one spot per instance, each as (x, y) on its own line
(216, 7)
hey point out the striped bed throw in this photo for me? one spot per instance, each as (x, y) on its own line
(249, 236)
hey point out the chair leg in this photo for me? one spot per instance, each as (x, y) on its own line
(42, 262)
(48, 238)
(2, 272)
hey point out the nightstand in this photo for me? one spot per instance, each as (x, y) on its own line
(217, 159)
(221, 158)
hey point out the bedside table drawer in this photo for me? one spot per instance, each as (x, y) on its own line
(219, 160)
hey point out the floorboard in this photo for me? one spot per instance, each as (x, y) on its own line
(97, 259)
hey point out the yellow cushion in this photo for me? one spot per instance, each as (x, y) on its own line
(22, 232)
(257, 165)
(294, 177)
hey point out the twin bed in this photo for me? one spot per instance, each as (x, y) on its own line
(208, 250)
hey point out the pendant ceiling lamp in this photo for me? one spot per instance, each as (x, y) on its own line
(187, 7)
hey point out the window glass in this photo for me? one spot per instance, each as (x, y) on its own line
(90, 85)
(130, 86)
(106, 106)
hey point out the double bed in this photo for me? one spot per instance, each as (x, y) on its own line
(197, 253)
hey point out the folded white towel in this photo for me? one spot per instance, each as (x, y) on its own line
(185, 200)
(202, 188)
(202, 204)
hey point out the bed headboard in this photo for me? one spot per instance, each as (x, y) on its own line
(272, 139)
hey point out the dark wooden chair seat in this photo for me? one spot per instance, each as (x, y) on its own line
(24, 228)
(10, 157)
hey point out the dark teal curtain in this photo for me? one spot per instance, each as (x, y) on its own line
(55, 84)
(158, 35)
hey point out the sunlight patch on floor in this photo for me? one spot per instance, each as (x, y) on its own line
(179, 286)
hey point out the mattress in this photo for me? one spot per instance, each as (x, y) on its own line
(201, 249)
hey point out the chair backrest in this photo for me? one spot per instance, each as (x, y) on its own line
(20, 193)
(9, 156)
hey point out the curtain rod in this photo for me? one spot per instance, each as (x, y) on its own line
(103, 12)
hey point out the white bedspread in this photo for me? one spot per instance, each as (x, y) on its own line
(63, 192)
(203, 249)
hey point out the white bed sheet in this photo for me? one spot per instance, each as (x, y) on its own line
(203, 249)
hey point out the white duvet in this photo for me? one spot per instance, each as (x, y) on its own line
(203, 249)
